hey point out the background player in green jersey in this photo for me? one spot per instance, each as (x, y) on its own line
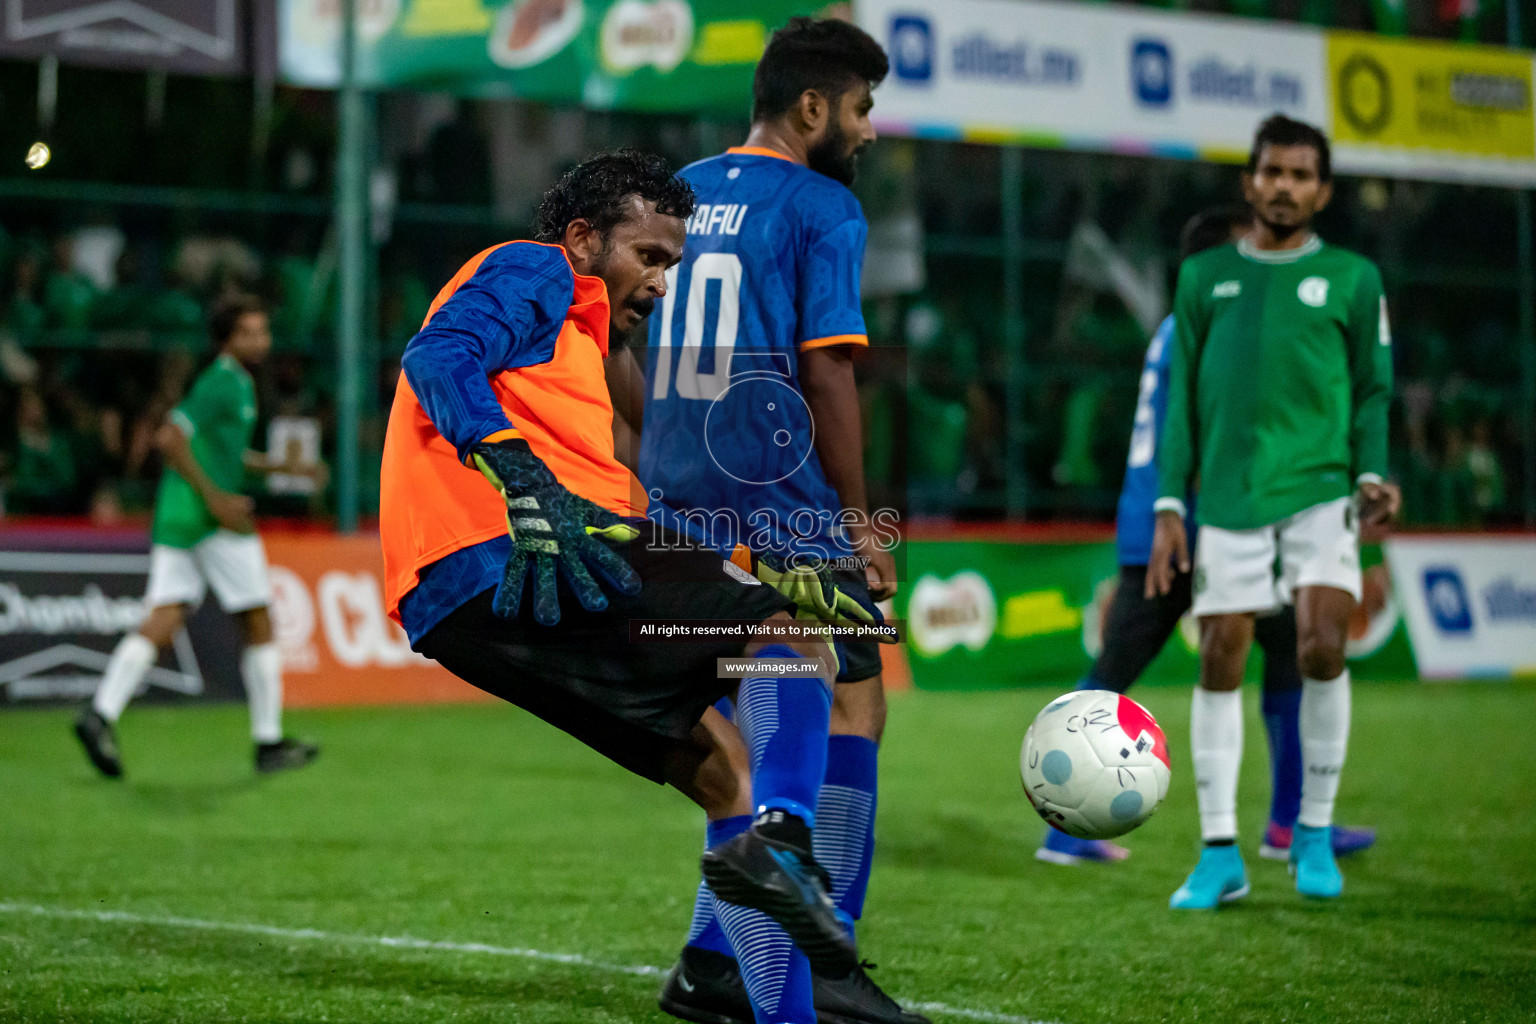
(204, 536)
(1277, 411)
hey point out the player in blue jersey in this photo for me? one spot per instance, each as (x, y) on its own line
(751, 436)
(1136, 627)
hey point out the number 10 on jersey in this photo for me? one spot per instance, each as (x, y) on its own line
(711, 271)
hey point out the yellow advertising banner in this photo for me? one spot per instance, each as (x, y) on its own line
(1414, 96)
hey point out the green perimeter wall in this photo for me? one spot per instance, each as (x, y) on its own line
(993, 614)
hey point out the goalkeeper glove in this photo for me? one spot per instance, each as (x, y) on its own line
(552, 531)
(809, 584)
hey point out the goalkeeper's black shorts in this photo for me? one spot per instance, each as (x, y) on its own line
(631, 700)
(860, 659)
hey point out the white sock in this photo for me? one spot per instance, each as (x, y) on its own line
(1324, 739)
(261, 667)
(131, 659)
(1216, 736)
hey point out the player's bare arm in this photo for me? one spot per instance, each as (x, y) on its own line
(265, 464)
(827, 381)
(626, 389)
(1170, 553)
(233, 511)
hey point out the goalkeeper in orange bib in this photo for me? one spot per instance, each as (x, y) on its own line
(518, 553)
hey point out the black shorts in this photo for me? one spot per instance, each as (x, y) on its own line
(860, 658)
(630, 701)
(1136, 629)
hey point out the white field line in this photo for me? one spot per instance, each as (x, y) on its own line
(431, 945)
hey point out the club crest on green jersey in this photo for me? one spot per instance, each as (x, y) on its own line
(1314, 292)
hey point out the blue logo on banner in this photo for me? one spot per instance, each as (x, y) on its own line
(1152, 72)
(912, 48)
(1446, 596)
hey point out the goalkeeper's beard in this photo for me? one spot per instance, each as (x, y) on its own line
(642, 306)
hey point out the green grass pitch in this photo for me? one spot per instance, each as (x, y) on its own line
(196, 892)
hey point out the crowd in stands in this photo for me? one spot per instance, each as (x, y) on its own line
(97, 343)
(99, 339)
(102, 303)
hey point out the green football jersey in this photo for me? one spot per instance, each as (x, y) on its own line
(218, 416)
(1280, 382)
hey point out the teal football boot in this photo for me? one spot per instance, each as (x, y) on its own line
(1317, 874)
(1219, 878)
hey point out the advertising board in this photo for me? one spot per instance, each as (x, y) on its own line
(1470, 603)
(1122, 79)
(65, 603)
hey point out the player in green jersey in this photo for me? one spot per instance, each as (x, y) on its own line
(1277, 417)
(204, 536)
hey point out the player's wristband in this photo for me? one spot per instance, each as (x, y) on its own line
(1170, 505)
(1368, 478)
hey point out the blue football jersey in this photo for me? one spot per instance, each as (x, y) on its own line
(770, 269)
(1134, 518)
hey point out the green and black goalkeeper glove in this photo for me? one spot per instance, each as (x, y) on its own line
(809, 584)
(554, 533)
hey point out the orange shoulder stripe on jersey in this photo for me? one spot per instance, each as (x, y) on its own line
(761, 151)
(836, 339)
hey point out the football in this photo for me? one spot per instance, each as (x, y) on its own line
(1095, 764)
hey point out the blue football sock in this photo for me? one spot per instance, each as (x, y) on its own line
(777, 975)
(1282, 720)
(784, 724)
(1091, 682)
(705, 931)
(844, 840)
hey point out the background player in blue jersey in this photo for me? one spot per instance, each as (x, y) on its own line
(1136, 627)
(751, 435)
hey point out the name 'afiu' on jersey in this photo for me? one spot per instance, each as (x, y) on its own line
(722, 218)
(771, 269)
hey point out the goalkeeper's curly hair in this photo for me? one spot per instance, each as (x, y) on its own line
(598, 189)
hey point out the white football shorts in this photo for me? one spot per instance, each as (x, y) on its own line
(1260, 570)
(233, 564)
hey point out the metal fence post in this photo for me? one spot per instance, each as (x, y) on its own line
(1015, 429)
(353, 250)
(1527, 313)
